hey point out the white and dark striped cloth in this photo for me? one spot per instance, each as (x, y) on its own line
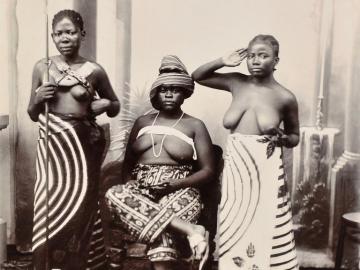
(255, 223)
(75, 237)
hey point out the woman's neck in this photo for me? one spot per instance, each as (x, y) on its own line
(174, 114)
(262, 80)
(73, 59)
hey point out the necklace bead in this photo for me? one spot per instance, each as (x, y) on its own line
(164, 136)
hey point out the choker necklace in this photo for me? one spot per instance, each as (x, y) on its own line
(164, 136)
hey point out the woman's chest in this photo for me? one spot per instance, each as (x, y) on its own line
(261, 102)
(160, 144)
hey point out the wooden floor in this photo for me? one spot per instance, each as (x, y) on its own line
(23, 262)
(318, 259)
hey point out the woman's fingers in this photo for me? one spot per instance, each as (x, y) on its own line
(239, 55)
(49, 84)
(45, 89)
(241, 50)
(46, 94)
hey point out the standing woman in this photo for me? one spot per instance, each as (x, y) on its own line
(78, 90)
(255, 223)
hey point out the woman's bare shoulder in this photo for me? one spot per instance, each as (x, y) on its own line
(237, 81)
(194, 122)
(145, 120)
(41, 64)
(287, 95)
(237, 77)
(96, 66)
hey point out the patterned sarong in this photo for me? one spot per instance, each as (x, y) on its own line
(255, 224)
(146, 219)
(74, 225)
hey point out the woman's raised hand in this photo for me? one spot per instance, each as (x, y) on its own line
(44, 92)
(234, 58)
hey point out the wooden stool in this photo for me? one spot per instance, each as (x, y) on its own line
(348, 220)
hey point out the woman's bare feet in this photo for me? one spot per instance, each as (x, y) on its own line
(197, 236)
(198, 242)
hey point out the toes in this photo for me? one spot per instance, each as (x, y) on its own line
(200, 250)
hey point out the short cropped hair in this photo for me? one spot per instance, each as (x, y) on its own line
(269, 39)
(73, 16)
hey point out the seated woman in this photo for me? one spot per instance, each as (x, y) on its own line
(163, 150)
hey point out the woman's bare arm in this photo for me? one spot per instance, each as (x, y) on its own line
(206, 75)
(291, 123)
(290, 136)
(40, 92)
(108, 103)
(130, 157)
(205, 160)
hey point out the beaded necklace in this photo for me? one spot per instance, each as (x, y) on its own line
(164, 136)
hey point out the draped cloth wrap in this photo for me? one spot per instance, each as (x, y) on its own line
(172, 72)
(75, 237)
(255, 221)
(146, 218)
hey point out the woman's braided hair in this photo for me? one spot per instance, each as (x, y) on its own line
(73, 16)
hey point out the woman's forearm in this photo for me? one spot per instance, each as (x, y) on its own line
(126, 171)
(34, 110)
(291, 141)
(113, 109)
(195, 180)
(204, 71)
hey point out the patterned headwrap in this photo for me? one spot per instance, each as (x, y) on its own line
(172, 72)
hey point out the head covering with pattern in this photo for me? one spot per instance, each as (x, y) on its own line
(172, 72)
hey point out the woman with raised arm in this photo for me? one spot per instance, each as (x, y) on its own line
(169, 155)
(255, 223)
(77, 91)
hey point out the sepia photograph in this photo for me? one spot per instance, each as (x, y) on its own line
(180, 135)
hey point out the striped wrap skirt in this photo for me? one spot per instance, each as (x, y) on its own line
(146, 218)
(67, 226)
(255, 220)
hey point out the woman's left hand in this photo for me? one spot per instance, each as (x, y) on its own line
(100, 106)
(278, 137)
(162, 189)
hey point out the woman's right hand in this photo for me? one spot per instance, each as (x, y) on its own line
(234, 58)
(44, 93)
(277, 136)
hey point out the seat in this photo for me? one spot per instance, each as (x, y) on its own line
(348, 220)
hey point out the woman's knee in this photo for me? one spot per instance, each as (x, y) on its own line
(113, 192)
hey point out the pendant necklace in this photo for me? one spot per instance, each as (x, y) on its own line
(164, 136)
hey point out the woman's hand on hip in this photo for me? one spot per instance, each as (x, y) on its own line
(278, 137)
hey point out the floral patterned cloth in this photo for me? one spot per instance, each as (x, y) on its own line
(147, 218)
